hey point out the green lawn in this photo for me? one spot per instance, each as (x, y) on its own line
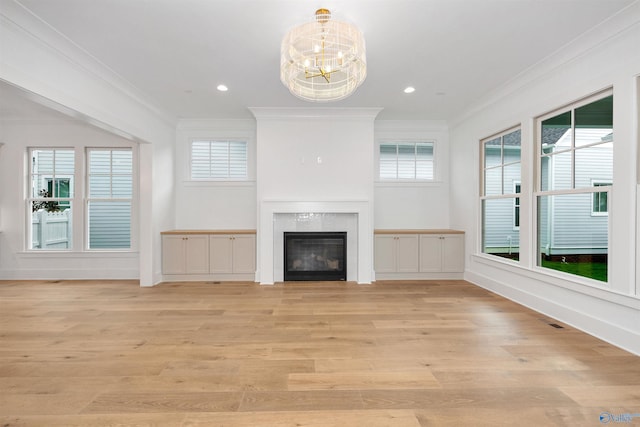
(593, 270)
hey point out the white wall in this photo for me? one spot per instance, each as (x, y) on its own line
(57, 73)
(605, 57)
(214, 204)
(319, 160)
(413, 204)
(315, 154)
(15, 261)
(232, 205)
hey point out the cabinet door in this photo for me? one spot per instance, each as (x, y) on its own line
(173, 254)
(197, 254)
(385, 253)
(244, 253)
(453, 253)
(430, 253)
(221, 254)
(407, 260)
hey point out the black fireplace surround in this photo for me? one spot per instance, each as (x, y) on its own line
(318, 256)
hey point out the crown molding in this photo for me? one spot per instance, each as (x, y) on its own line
(615, 26)
(216, 124)
(21, 21)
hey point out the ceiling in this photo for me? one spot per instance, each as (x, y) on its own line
(454, 52)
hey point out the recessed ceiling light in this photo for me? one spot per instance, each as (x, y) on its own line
(222, 88)
(409, 89)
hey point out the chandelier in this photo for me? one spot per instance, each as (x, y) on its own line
(324, 60)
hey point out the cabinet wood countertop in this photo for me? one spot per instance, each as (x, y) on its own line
(208, 232)
(379, 231)
(420, 231)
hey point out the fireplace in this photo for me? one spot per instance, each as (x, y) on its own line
(315, 256)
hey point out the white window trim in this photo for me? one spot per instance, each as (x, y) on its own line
(31, 198)
(501, 166)
(79, 226)
(134, 196)
(599, 183)
(517, 205)
(211, 180)
(538, 148)
(483, 168)
(397, 141)
(538, 192)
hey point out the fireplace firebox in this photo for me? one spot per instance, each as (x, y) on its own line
(315, 256)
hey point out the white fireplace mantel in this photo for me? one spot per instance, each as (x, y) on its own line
(268, 210)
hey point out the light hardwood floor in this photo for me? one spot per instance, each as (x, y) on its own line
(442, 353)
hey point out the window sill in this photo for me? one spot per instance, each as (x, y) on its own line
(574, 283)
(73, 254)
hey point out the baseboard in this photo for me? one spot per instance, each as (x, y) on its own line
(219, 277)
(419, 276)
(591, 323)
(70, 274)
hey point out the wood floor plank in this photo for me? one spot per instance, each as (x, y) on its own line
(378, 380)
(98, 420)
(497, 398)
(384, 418)
(109, 403)
(521, 416)
(621, 396)
(301, 400)
(44, 404)
(410, 353)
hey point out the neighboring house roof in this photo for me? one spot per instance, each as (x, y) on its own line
(561, 136)
(551, 135)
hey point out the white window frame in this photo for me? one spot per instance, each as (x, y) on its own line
(517, 203)
(483, 196)
(228, 177)
(599, 183)
(538, 192)
(88, 198)
(30, 199)
(79, 201)
(413, 142)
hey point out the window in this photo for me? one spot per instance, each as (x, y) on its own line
(575, 171)
(50, 200)
(110, 192)
(218, 160)
(54, 203)
(500, 194)
(599, 205)
(407, 161)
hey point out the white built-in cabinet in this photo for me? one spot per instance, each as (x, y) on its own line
(419, 254)
(185, 254)
(442, 253)
(232, 254)
(396, 253)
(209, 255)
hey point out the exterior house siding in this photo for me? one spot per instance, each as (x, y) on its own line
(572, 214)
(500, 232)
(563, 218)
